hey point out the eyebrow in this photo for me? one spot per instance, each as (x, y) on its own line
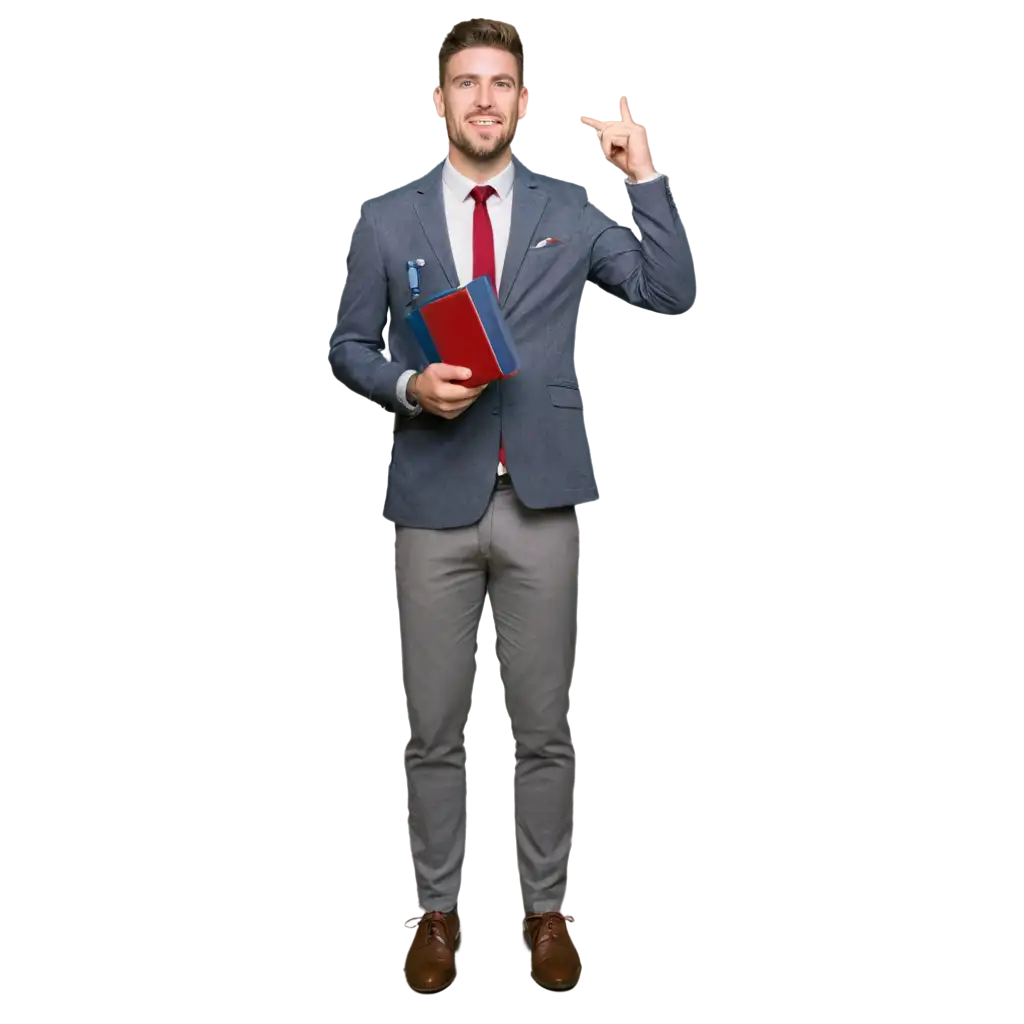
(511, 78)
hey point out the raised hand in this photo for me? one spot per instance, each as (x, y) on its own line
(624, 143)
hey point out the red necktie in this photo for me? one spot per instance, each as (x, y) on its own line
(483, 251)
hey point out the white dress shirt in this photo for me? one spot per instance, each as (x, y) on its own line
(459, 206)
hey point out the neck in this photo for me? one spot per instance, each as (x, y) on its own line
(478, 170)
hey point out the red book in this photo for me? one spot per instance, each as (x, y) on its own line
(464, 327)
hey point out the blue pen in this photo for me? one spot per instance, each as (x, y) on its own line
(414, 275)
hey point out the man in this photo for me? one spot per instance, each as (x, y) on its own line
(484, 481)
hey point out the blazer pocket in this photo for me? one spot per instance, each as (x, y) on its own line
(563, 243)
(565, 396)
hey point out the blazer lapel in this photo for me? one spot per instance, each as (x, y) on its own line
(429, 203)
(528, 202)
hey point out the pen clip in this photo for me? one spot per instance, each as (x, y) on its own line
(413, 267)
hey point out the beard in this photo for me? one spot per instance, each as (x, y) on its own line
(465, 139)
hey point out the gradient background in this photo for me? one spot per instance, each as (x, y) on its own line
(797, 703)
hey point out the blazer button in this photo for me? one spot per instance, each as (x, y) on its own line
(494, 412)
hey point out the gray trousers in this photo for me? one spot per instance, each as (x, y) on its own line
(526, 562)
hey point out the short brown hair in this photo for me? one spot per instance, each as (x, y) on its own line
(481, 32)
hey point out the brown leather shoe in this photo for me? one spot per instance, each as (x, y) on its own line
(555, 963)
(430, 965)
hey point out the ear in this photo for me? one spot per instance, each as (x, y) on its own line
(524, 97)
(439, 101)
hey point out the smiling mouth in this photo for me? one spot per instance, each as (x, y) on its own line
(485, 127)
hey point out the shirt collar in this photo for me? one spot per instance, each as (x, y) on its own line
(462, 186)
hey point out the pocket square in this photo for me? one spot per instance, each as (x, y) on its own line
(546, 241)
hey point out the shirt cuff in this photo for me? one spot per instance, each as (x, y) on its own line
(403, 381)
(653, 177)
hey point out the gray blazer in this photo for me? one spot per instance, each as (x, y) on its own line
(442, 471)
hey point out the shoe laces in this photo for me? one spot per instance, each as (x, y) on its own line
(553, 924)
(552, 916)
(436, 926)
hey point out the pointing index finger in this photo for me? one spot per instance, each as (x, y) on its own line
(599, 125)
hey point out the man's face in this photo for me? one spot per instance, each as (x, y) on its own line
(481, 82)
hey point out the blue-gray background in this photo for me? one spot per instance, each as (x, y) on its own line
(199, 781)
